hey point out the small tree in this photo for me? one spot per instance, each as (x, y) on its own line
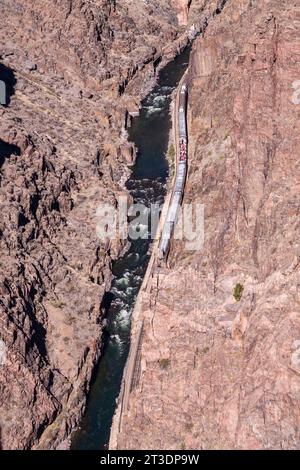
(238, 292)
(164, 363)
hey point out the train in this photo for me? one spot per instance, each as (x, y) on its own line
(181, 171)
(2, 92)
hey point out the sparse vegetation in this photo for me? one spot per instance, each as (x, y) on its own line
(171, 152)
(238, 291)
(189, 426)
(58, 304)
(164, 363)
(70, 320)
(70, 286)
(171, 158)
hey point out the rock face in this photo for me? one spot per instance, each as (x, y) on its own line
(220, 353)
(73, 70)
(182, 9)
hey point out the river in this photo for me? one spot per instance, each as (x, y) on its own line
(147, 184)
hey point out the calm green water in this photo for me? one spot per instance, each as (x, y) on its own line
(147, 184)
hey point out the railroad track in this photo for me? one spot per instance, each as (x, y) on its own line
(137, 366)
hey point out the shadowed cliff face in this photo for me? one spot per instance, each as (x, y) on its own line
(78, 67)
(220, 355)
(7, 150)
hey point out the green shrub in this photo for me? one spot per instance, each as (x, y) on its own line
(171, 152)
(238, 291)
(164, 363)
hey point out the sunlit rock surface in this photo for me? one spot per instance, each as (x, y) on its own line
(220, 354)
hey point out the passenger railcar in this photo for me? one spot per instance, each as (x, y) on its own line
(180, 176)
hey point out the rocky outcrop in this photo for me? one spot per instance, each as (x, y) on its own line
(220, 351)
(182, 9)
(74, 70)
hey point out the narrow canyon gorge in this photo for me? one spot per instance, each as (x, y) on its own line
(220, 351)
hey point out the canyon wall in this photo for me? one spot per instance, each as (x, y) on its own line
(221, 341)
(74, 71)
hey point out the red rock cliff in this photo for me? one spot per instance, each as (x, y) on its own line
(73, 69)
(220, 354)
